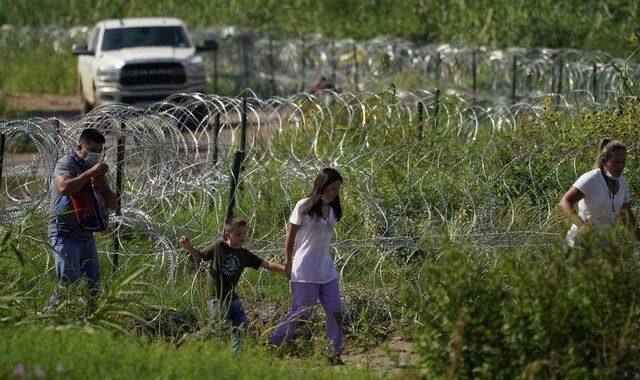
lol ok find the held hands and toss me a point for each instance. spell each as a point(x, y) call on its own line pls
point(287, 269)
point(584, 229)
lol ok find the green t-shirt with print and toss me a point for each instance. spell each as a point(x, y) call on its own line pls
point(227, 264)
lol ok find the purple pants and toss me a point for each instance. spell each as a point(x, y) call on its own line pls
point(304, 297)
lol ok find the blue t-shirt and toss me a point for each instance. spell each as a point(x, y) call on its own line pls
point(66, 224)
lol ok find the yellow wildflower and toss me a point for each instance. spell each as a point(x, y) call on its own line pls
point(547, 100)
point(588, 117)
point(633, 38)
point(626, 120)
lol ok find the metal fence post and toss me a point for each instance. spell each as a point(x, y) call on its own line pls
point(355, 65)
point(474, 74)
point(245, 59)
point(303, 64)
point(216, 132)
point(514, 78)
point(420, 119)
point(215, 71)
point(594, 81)
point(560, 67)
point(272, 68)
point(436, 104)
point(119, 177)
point(238, 158)
point(2, 141)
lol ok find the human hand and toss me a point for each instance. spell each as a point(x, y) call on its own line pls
point(99, 169)
point(185, 242)
point(99, 181)
point(584, 229)
point(287, 270)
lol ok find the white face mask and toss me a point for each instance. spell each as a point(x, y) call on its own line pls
point(611, 176)
point(92, 159)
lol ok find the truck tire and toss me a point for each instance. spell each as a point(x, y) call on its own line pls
point(86, 107)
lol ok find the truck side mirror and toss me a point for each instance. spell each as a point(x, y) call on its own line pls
point(81, 49)
point(209, 45)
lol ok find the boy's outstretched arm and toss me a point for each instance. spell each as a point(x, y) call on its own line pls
point(186, 244)
point(272, 267)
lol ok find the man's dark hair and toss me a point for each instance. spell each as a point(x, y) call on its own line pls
point(91, 135)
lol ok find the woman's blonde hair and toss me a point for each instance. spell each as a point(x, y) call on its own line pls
point(606, 148)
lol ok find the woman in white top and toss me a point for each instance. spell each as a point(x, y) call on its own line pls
point(311, 270)
point(602, 195)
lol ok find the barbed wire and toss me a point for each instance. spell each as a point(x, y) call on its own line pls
point(282, 64)
point(416, 177)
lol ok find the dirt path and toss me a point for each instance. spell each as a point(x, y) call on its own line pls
point(44, 105)
point(395, 355)
point(43, 102)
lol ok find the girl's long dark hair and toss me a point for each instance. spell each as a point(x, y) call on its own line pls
point(606, 148)
point(326, 177)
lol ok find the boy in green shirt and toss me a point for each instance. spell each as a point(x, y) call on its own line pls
point(228, 260)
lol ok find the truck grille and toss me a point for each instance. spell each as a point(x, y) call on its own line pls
point(163, 73)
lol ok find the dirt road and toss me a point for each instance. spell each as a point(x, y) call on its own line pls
point(45, 105)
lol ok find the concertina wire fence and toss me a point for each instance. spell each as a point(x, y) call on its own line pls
point(279, 63)
point(179, 153)
point(178, 158)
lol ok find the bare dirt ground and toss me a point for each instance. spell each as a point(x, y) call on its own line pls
point(44, 105)
point(393, 356)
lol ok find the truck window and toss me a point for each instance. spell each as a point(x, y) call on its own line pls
point(122, 38)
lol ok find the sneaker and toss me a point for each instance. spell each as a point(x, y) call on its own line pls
point(335, 360)
point(47, 310)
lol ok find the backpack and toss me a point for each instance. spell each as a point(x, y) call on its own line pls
point(89, 207)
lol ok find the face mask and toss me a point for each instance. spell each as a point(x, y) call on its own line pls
point(325, 199)
point(92, 159)
point(611, 176)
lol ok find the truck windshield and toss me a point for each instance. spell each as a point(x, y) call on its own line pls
point(122, 38)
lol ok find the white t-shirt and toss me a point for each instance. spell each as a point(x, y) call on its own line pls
point(312, 261)
point(599, 207)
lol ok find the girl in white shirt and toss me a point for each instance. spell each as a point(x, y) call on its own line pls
point(311, 270)
point(602, 195)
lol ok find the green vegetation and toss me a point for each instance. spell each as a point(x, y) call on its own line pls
point(29, 352)
point(473, 309)
point(585, 25)
point(40, 65)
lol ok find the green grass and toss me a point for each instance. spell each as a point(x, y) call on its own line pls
point(78, 354)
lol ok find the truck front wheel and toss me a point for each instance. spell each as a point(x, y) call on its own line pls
point(86, 107)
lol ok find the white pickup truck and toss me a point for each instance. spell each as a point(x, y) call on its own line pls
point(138, 61)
